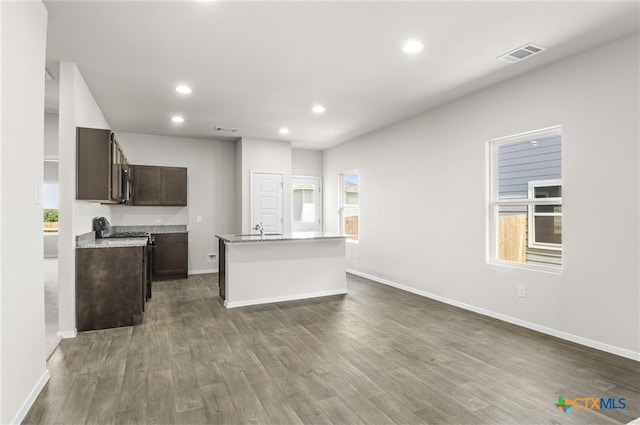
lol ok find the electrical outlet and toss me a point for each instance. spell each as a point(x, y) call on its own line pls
point(158, 220)
point(357, 255)
point(199, 219)
point(212, 258)
point(522, 291)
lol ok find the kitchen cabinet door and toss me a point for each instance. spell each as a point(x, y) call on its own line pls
point(97, 174)
point(146, 185)
point(159, 186)
point(170, 256)
point(173, 189)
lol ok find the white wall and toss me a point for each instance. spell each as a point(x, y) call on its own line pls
point(261, 155)
point(211, 190)
point(77, 109)
point(50, 172)
point(22, 341)
point(306, 162)
point(436, 161)
point(237, 225)
point(50, 136)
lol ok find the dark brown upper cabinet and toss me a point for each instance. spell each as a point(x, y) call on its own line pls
point(159, 186)
point(100, 163)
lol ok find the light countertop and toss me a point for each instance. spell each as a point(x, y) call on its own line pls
point(113, 243)
point(272, 237)
point(154, 229)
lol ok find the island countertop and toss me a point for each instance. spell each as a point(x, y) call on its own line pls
point(113, 243)
point(273, 237)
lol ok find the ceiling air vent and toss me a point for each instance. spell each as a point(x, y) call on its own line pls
point(224, 130)
point(521, 53)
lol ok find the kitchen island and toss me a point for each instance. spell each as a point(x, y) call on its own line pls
point(111, 282)
point(255, 269)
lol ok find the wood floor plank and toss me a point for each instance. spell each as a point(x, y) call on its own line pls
point(102, 411)
point(375, 356)
point(244, 400)
point(131, 417)
point(133, 395)
point(275, 404)
point(160, 389)
point(218, 405)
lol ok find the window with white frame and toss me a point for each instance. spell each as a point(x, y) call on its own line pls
point(350, 204)
point(525, 211)
point(545, 221)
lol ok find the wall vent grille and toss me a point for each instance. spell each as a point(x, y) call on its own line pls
point(521, 53)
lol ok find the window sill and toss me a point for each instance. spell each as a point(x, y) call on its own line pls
point(552, 269)
point(354, 241)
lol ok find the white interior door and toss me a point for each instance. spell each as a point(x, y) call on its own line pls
point(306, 204)
point(267, 201)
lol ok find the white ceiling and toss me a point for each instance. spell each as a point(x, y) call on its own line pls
point(260, 66)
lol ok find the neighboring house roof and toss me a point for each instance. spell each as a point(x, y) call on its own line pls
point(351, 187)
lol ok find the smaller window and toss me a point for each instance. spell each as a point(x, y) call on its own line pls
point(50, 204)
point(350, 204)
point(545, 221)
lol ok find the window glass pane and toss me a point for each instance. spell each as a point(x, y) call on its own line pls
point(548, 209)
point(525, 161)
point(304, 208)
point(548, 229)
point(351, 188)
point(50, 204)
point(351, 221)
point(547, 192)
point(350, 207)
point(512, 234)
point(513, 242)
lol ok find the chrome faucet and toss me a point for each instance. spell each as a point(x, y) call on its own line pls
point(260, 227)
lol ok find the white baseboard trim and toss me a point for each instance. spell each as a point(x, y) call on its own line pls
point(285, 298)
point(33, 394)
point(204, 271)
point(623, 352)
point(68, 334)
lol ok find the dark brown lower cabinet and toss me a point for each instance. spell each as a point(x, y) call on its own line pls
point(170, 256)
point(110, 287)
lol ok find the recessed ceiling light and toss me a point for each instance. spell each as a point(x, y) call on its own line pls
point(284, 131)
point(183, 89)
point(412, 46)
point(177, 119)
point(318, 109)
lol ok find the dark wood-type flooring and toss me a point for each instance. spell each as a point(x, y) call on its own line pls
point(375, 356)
